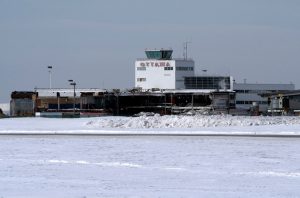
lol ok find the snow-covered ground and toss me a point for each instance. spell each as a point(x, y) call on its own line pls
point(149, 166)
point(114, 166)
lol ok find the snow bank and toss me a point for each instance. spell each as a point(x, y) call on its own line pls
point(5, 108)
point(197, 121)
point(155, 125)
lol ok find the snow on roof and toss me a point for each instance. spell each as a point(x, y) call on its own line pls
point(66, 92)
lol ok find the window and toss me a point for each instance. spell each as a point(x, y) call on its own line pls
point(168, 68)
point(184, 68)
point(207, 82)
point(141, 79)
point(141, 68)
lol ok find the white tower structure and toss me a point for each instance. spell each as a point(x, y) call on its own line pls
point(160, 70)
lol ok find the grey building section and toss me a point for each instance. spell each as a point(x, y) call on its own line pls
point(283, 102)
point(249, 94)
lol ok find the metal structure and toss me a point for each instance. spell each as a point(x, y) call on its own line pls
point(185, 50)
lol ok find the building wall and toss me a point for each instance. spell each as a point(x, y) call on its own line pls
point(246, 94)
point(183, 68)
point(162, 74)
point(154, 74)
point(294, 102)
point(21, 107)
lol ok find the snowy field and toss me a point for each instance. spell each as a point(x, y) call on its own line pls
point(102, 166)
point(44, 165)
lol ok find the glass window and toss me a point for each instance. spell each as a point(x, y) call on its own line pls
point(141, 79)
point(184, 68)
point(207, 82)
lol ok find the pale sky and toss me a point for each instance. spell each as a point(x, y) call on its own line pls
point(96, 42)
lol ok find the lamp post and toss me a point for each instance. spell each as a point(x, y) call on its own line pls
point(50, 76)
point(73, 83)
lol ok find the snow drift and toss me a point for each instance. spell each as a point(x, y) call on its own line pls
point(197, 121)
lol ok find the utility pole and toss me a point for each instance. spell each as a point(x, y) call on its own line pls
point(50, 76)
point(73, 83)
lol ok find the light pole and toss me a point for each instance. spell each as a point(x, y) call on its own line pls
point(50, 76)
point(73, 83)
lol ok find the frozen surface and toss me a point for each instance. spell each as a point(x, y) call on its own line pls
point(149, 166)
point(97, 166)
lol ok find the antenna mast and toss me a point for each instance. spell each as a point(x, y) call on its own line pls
point(185, 50)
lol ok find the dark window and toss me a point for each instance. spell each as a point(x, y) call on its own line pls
point(207, 82)
point(168, 68)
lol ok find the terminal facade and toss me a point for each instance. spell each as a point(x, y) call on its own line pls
point(160, 71)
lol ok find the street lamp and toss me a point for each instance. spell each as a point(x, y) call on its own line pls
point(50, 76)
point(73, 83)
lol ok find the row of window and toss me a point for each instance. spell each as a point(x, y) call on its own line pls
point(256, 91)
point(184, 69)
point(207, 82)
point(169, 68)
point(251, 102)
point(141, 79)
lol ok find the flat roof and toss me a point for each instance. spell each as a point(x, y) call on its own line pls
point(66, 91)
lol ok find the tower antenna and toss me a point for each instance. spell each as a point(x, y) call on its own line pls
point(185, 50)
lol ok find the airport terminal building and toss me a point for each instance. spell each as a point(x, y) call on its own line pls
point(163, 85)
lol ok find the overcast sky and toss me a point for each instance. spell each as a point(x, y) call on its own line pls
point(96, 42)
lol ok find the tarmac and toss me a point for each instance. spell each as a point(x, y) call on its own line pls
point(149, 133)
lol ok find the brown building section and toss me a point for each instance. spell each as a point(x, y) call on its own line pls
point(115, 102)
point(22, 103)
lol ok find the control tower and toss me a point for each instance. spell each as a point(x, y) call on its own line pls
point(159, 54)
point(160, 70)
